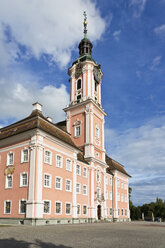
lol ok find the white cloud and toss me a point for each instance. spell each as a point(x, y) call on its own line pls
point(160, 30)
point(116, 34)
point(49, 27)
point(138, 7)
point(141, 150)
point(17, 97)
point(155, 63)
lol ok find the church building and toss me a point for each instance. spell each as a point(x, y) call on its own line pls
point(60, 173)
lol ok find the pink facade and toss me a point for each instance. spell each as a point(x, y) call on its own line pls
point(60, 173)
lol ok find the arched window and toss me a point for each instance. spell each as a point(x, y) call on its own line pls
point(79, 84)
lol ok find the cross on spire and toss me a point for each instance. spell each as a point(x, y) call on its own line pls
point(85, 24)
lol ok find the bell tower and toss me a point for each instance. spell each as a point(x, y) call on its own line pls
point(84, 114)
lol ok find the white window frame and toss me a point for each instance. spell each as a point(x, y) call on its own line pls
point(110, 181)
point(86, 209)
point(118, 197)
point(70, 208)
point(110, 196)
point(111, 211)
point(79, 188)
point(60, 183)
point(77, 209)
point(126, 212)
point(6, 182)
point(106, 180)
point(45, 157)
point(118, 183)
point(126, 198)
point(121, 185)
point(5, 206)
point(85, 171)
point(21, 179)
point(122, 198)
point(77, 134)
point(20, 206)
point(60, 209)
point(125, 186)
point(106, 195)
point(61, 165)
point(122, 212)
point(84, 185)
point(118, 211)
point(70, 185)
point(8, 160)
point(97, 132)
point(49, 206)
point(70, 164)
point(22, 155)
point(79, 173)
point(50, 180)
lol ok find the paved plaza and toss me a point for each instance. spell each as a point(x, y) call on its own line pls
point(116, 235)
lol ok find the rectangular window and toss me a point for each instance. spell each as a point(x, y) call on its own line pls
point(84, 209)
point(111, 181)
point(122, 212)
point(78, 209)
point(47, 181)
point(77, 131)
point(58, 183)
point(106, 180)
point(84, 190)
point(121, 197)
point(84, 172)
point(125, 212)
point(110, 211)
point(122, 185)
point(68, 185)
point(7, 207)
point(118, 183)
point(68, 208)
point(110, 196)
point(59, 161)
point(125, 198)
point(24, 155)
point(98, 192)
point(22, 207)
point(118, 211)
point(78, 188)
point(58, 208)
point(125, 186)
point(10, 158)
point(78, 169)
point(23, 179)
point(106, 195)
point(68, 165)
point(46, 207)
point(48, 157)
point(9, 181)
point(97, 133)
point(118, 196)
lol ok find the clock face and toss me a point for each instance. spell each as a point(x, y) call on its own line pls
point(97, 74)
point(78, 70)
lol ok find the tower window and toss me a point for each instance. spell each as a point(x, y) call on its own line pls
point(77, 131)
point(95, 86)
point(78, 98)
point(86, 49)
point(79, 84)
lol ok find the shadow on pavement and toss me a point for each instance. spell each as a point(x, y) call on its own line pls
point(13, 243)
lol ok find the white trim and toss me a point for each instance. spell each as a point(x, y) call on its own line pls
point(70, 185)
point(70, 164)
point(6, 182)
point(5, 206)
point(80, 208)
point(21, 179)
point(78, 187)
point(84, 185)
point(22, 155)
point(84, 205)
point(70, 208)
point(19, 212)
point(60, 183)
point(61, 207)
point(7, 160)
point(61, 161)
point(79, 174)
point(84, 167)
point(50, 180)
point(45, 161)
point(49, 206)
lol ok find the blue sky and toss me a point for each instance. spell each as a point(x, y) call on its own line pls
point(39, 41)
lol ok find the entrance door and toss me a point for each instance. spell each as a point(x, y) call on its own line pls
point(99, 212)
